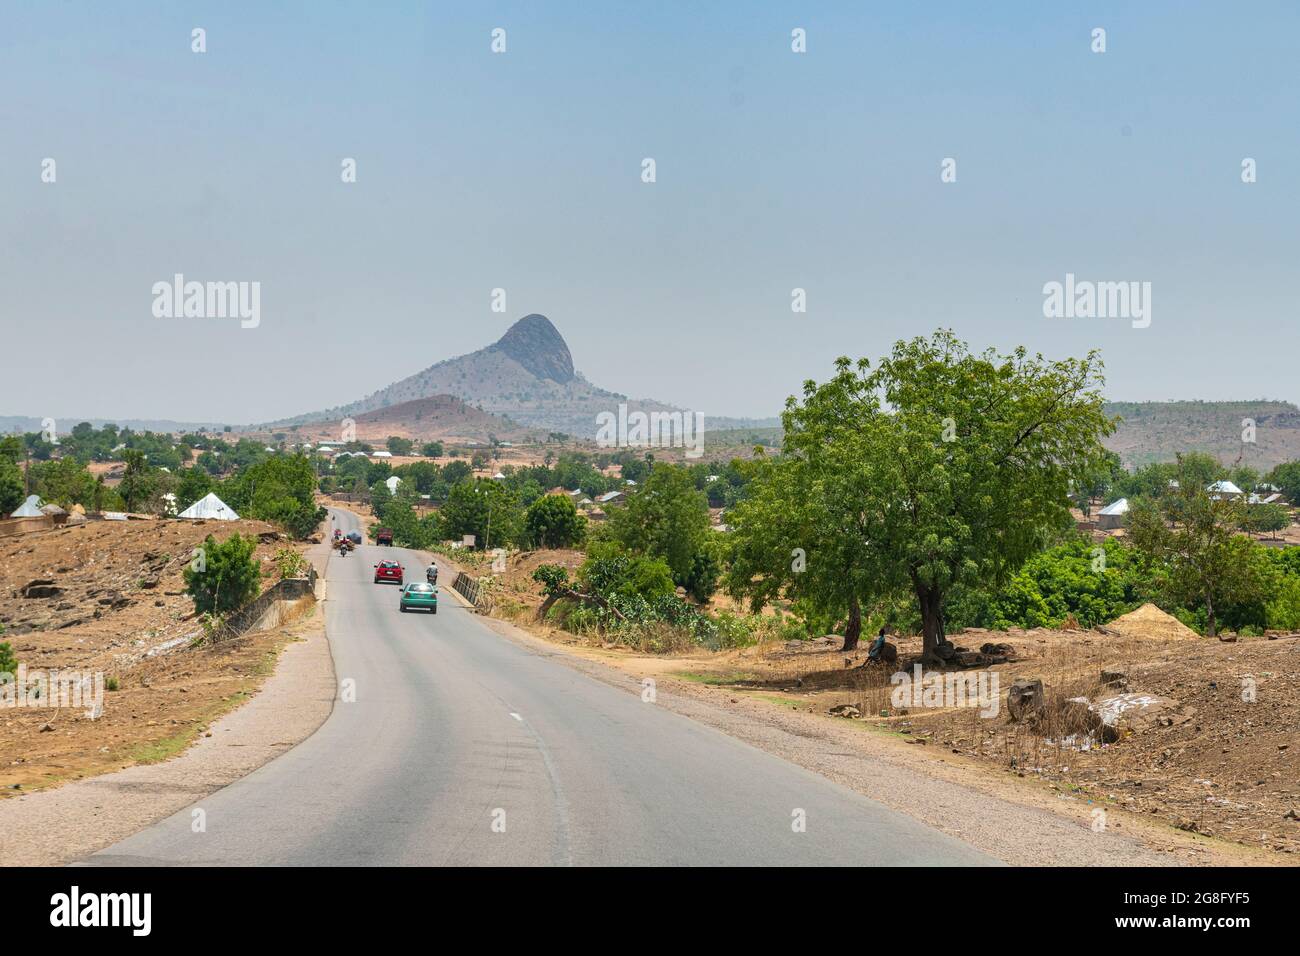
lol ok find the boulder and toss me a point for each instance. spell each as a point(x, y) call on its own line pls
point(1132, 713)
point(1076, 716)
point(40, 588)
point(1025, 699)
point(1116, 679)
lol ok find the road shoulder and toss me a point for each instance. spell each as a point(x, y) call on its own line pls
point(1014, 820)
point(59, 826)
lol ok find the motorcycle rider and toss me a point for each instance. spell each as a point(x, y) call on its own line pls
point(431, 575)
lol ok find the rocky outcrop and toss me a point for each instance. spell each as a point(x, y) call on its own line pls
point(535, 344)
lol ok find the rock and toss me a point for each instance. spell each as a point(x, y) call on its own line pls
point(1291, 814)
point(945, 650)
point(1132, 713)
point(1077, 716)
point(47, 728)
point(845, 710)
point(1117, 679)
point(1025, 699)
point(535, 344)
point(40, 588)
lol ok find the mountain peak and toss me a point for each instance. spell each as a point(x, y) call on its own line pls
point(535, 344)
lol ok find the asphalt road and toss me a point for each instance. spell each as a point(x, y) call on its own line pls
point(464, 748)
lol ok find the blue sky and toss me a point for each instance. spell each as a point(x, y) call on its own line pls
point(522, 171)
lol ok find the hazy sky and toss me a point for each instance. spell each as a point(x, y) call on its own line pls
point(522, 170)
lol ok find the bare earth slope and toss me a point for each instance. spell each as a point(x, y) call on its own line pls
point(1156, 431)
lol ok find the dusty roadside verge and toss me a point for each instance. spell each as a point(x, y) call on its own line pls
point(111, 667)
point(268, 710)
point(58, 826)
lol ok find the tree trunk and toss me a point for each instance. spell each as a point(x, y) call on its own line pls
point(546, 605)
point(595, 599)
point(931, 601)
point(853, 630)
point(1211, 626)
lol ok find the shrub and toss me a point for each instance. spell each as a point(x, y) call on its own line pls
point(290, 563)
point(227, 575)
point(1283, 611)
point(734, 630)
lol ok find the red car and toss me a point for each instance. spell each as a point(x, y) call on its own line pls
point(388, 571)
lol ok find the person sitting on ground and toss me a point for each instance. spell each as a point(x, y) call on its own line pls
point(873, 652)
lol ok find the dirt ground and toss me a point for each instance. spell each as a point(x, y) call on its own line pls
point(114, 606)
point(1215, 760)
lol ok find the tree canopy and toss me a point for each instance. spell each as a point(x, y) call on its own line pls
point(935, 469)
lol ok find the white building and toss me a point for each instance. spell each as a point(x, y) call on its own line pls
point(210, 508)
point(1112, 516)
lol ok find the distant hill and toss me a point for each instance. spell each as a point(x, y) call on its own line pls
point(1156, 431)
point(422, 419)
point(27, 423)
point(527, 375)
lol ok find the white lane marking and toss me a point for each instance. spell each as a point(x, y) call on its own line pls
point(516, 717)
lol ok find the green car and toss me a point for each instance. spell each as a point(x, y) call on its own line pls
point(419, 595)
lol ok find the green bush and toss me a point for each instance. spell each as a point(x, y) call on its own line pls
point(1283, 610)
point(735, 630)
point(226, 576)
point(1093, 583)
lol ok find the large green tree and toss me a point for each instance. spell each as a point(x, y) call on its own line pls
point(935, 469)
point(139, 481)
point(667, 517)
point(279, 489)
point(552, 521)
point(64, 481)
point(485, 509)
